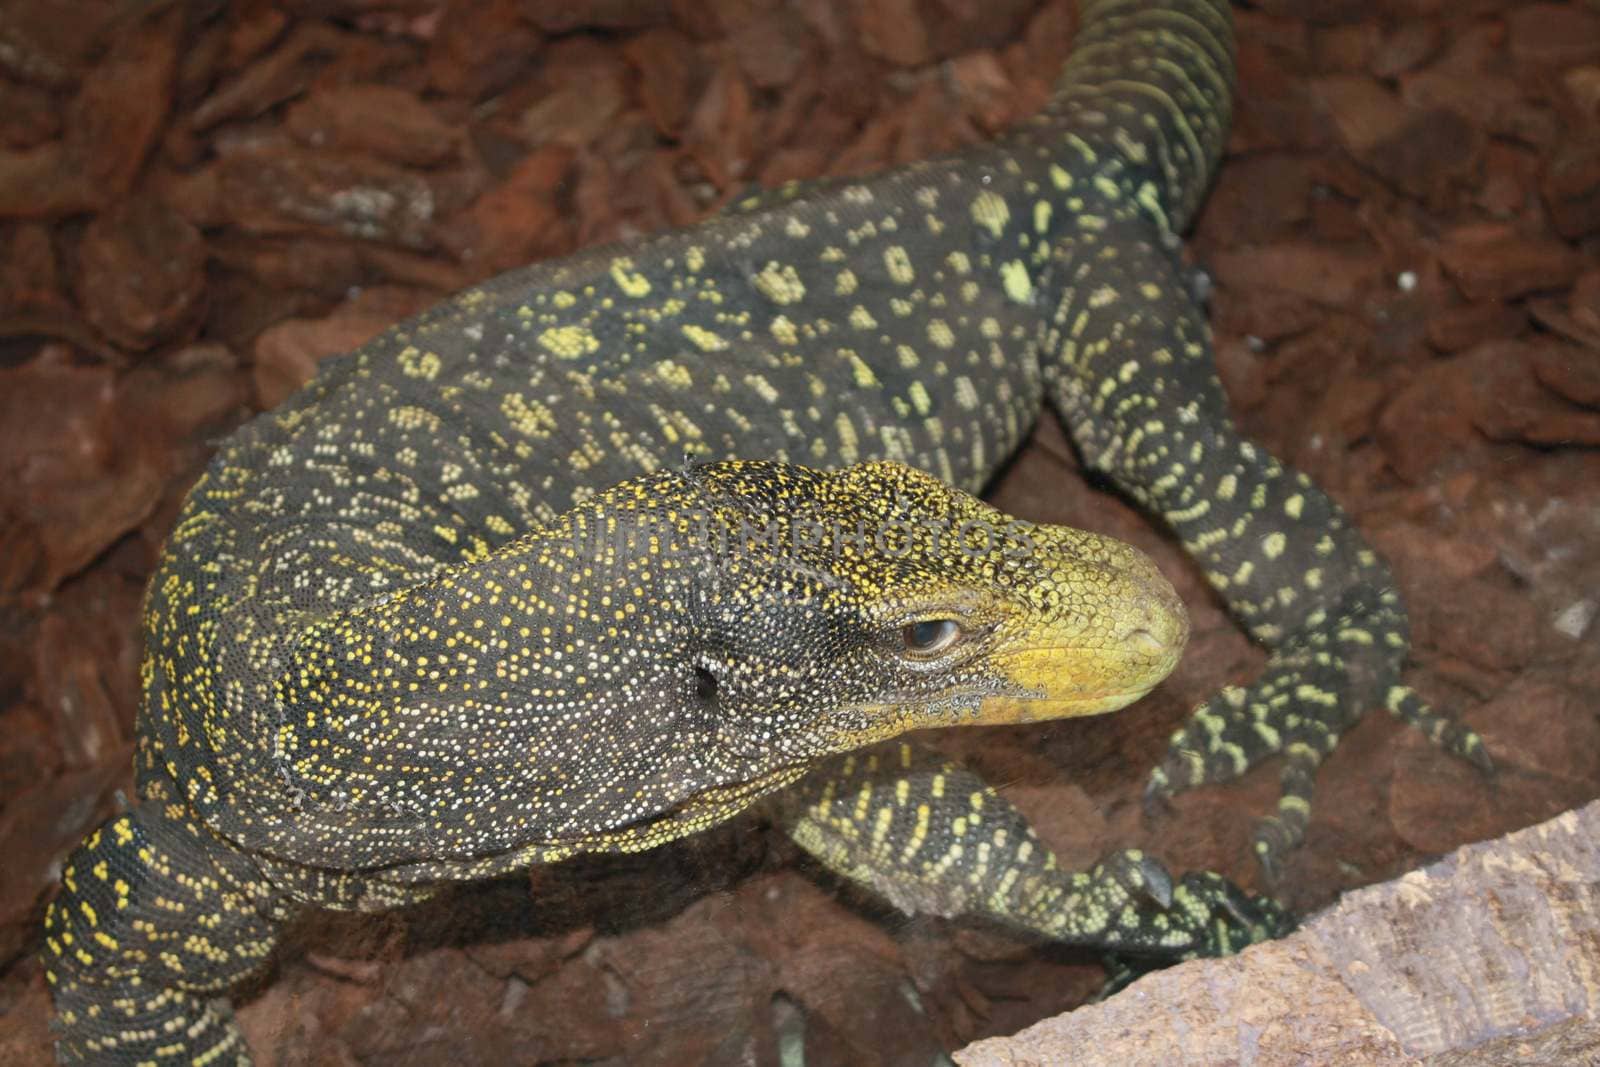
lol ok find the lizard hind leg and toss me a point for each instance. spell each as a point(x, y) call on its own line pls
point(154, 921)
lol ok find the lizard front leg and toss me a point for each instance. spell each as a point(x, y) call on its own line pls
point(156, 919)
point(933, 838)
point(1129, 366)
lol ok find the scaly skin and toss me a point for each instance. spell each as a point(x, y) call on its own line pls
point(407, 632)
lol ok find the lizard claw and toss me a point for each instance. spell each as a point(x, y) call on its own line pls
point(1156, 882)
point(1201, 914)
point(1156, 801)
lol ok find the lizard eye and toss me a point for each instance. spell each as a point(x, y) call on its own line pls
point(930, 637)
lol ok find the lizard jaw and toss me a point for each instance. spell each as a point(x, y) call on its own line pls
point(1055, 682)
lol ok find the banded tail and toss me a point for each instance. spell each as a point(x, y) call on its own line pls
point(1157, 79)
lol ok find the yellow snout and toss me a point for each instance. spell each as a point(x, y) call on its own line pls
point(1088, 673)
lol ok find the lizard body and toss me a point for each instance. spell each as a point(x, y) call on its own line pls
point(421, 623)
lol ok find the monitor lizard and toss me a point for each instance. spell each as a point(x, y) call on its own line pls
point(461, 605)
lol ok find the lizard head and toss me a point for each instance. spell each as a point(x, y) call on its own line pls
point(679, 643)
point(845, 607)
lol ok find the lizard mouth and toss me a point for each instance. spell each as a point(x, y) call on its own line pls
point(1011, 709)
point(1056, 683)
point(1036, 685)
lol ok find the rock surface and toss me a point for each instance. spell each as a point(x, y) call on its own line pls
point(1484, 958)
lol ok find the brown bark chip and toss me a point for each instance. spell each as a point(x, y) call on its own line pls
point(480, 47)
point(140, 272)
point(70, 484)
point(385, 121)
point(1496, 263)
point(1555, 35)
point(280, 189)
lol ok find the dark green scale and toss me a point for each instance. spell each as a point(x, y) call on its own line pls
point(406, 633)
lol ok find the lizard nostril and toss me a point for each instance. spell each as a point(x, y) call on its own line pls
point(1160, 628)
point(1146, 641)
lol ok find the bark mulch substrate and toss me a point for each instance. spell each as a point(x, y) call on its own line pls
point(199, 200)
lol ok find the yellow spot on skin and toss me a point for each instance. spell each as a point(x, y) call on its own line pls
point(780, 284)
point(1272, 545)
point(862, 319)
point(694, 258)
point(849, 444)
point(920, 399)
point(898, 263)
point(1294, 506)
point(418, 364)
point(940, 334)
point(881, 825)
point(529, 418)
point(1041, 217)
point(966, 394)
point(674, 375)
point(1018, 285)
point(1150, 200)
point(845, 283)
point(990, 212)
point(783, 331)
point(762, 387)
point(569, 342)
point(919, 833)
point(864, 378)
point(1227, 486)
point(1060, 177)
point(411, 417)
point(629, 281)
point(959, 262)
point(704, 339)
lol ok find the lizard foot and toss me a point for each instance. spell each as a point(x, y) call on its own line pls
point(1316, 685)
point(1139, 910)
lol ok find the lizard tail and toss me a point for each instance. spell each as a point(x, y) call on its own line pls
point(1156, 81)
